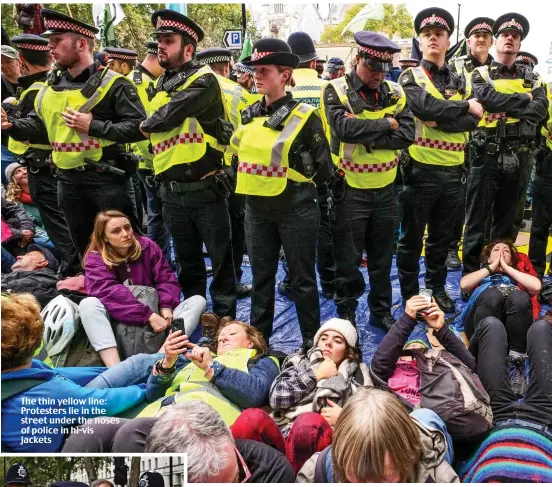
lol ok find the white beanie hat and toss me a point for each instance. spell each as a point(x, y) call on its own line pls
point(11, 169)
point(344, 327)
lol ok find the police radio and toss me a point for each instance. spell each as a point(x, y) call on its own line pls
point(93, 83)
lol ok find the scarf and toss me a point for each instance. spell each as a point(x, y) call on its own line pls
point(25, 197)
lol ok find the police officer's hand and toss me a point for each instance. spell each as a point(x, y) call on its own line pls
point(158, 323)
point(145, 134)
point(430, 124)
point(539, 92)
point(77, 120)
point(393, 124)
point(476, 108)
point(6, 124)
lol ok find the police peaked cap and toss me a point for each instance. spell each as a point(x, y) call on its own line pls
point(434, 17)
point(409, 62)
point(120, 53)
point(242, 68)
point(272, 51)
point(168, 21)
point(214, 55)
point(17, 474)
point(30, 42)
point(526, 58)
point(511, 21)
point(301, 45)
point(335, 64)
point(153, 47)
point(151, 479)
point(378, 49)
point(479, 24)
point(58, 23)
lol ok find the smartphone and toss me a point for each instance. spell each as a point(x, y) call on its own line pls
point(426, 293)
point(178, 324)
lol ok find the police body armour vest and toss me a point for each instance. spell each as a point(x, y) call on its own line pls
point(143, 82)
point(546, 130)
point(507, 86)
point(308, 86)
point(363, 169)
point(186, 143)
point(263, 153)
point(69, 147)
point(190, 383)
point(431, 145)
point(19, 147)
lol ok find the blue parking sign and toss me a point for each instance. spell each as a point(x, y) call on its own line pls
point(233, 39)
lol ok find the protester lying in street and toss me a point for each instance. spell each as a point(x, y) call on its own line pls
point(422, 377)
point(506, 288)
point(308, 395)
point(117, 263)
point(518, 448)
point(38, 402)
point(18, 231)
point(376, 440)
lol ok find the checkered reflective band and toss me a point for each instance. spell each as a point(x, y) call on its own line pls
point(383, 55)
point(67, 26)
point(76, 146)
point(186, 138)
point(510, 24)
point(335, 66)
point(215, 59)
point(260, 170)
point(526, 58)
point(434, 20)
point(32, 47)
point(439, 144)
point(121, 56)
point(412, 64)
point(259, 55)
point(354, 167)
point(152, 51)
point(163, 23)
point(481, 26)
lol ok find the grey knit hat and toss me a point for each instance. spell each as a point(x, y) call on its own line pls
point(11, 169)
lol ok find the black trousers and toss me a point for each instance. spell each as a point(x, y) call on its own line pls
point(43, 189)
point(289, 220)
point(490, 347)
point(364, 219)
point(236, 207)
point(490, 194)
point(432, 196)
point(458, 229)
point(515, 311)
point(83, 194)
point(139, 199)
point(525, 177)
point(542, 212)
point(194, 218)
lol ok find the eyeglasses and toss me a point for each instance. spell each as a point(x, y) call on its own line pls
point(247, 473)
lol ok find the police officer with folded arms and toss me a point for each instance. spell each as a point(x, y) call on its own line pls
point(282, 151)
point(515, 103)
point(433, 166)
point(369, 124)
point(188, 133)
point(36, 62)
point(87, 113)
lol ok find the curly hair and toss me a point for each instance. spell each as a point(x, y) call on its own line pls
point(22, 329)
point(486, 253)
point(13, 192)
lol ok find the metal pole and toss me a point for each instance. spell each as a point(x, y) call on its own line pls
point(458, 23)
point(170, 472)
point(244, 20)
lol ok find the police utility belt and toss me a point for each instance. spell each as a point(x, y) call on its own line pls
point(36, 159)
point(513, 138)
point(219, 182)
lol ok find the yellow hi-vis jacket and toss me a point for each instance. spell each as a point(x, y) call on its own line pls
point(308, 86)
point(546, 130)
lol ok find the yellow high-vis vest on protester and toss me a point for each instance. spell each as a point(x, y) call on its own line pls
point(69, 147)
point(363, 169)
point(263, 153)
point(19, 147)
point(190, 383)
point(546, 130)
point(431, 145)
point(308, 86)
point(507, 86)
point(142, 82)
point(184, 144)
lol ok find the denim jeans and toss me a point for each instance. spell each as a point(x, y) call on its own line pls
point(431, 420)
point(133, 370)
point(7, 158)
point(7, 261)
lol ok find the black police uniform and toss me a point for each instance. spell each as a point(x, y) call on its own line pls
point(85, 191)
point(496, 180)
point(196, 216)
point(17, 474)
point(366, 219)
point(42, 182)
point(432, 193)
point(468, 63)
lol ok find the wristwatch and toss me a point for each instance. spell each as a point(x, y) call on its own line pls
point(164, 370)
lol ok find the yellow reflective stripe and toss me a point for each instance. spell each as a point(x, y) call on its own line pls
point(38, 101)
point(278, 148)
point(95, 98)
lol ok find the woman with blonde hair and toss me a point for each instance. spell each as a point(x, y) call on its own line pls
point(376, 440)
point(120, 268)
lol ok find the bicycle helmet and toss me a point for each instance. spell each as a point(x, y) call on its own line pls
point(61, 321)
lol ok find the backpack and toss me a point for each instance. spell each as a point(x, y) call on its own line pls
point(323, 473)
point(449, 388)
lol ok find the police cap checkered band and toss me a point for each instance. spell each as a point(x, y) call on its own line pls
point(434, 20)
point(527, 58)
point(121, 56)
point(175, 24)
point(511, 24)
point(481, 26)
point(241, 68)
point(380, 55)
point(259, 55)
point(409, 63)
point(31, 47)
point(65, 25)
point(152, 50)
point(215, 59)
point(335, 65)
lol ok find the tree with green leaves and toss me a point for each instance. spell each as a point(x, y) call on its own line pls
point(396, 20)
